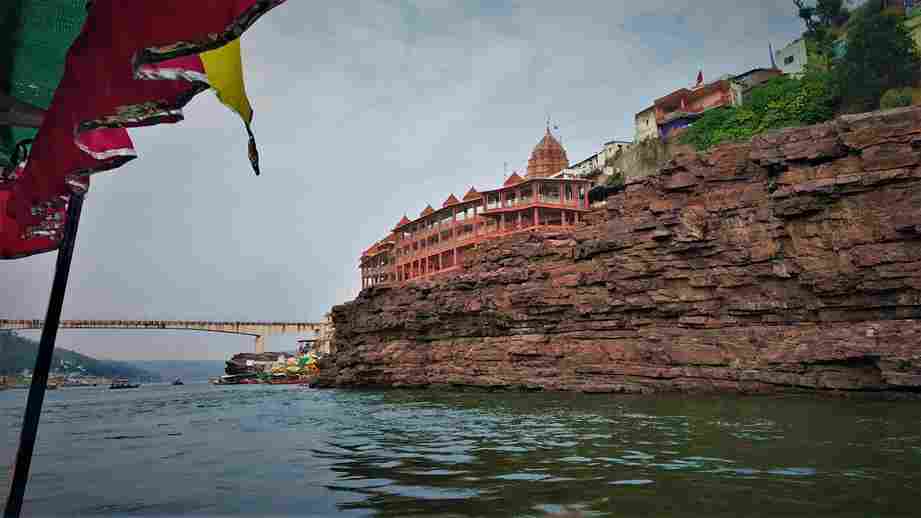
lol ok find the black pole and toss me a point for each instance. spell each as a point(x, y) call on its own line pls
point(43, 361)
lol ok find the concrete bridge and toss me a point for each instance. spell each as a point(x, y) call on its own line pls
point(323, 330)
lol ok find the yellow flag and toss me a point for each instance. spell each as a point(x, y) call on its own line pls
point(224, 68)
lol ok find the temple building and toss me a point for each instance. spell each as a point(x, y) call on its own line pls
point(436, 242)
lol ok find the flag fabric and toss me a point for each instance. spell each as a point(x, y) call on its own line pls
point(34, 38)
point(14, 243)
point(133, 64)
point(224, 70)
point(771, 50)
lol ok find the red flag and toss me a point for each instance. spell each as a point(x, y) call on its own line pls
point(700, 78)
point(134, 64)
point(16, 241)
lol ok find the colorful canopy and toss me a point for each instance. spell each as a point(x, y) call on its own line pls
point(133, 64)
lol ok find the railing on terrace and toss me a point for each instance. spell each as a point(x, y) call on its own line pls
point(437, 250)
point(417, 275)
point(378, 270)
point(481, 230)
point(543, 202)
point(493, 232)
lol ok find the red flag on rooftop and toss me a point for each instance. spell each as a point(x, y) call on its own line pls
point(133, 64)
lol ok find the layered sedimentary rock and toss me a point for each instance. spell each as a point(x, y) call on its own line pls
point(788, 263)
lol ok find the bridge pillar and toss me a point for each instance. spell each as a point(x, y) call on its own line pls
point(260, 344)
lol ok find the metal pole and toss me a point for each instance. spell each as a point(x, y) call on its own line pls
point(43, 361)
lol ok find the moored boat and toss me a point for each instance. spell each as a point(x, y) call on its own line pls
point(123, 383)
point(177, 382)
point(234, 379)
point(284, 380)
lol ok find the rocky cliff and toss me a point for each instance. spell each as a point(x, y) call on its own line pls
point(792, 262)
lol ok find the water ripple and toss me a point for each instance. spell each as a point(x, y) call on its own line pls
point(278, 450)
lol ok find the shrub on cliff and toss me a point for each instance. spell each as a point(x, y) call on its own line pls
point(615, 181)
point(896, 98)
point(779, 103)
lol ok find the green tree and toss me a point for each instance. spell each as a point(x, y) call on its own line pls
point(807, 14)
point(821, 20)
point(831, 12)
point(881, 55)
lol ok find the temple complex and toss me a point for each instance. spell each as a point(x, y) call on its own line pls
point(436, 242)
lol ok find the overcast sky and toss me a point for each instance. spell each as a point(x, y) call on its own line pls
point(364, 111)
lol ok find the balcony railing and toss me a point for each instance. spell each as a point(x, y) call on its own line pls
point(543, 201)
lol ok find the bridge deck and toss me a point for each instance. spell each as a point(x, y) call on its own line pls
point(257, 329)
point(233, 327)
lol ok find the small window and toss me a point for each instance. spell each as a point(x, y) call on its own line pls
point(789, 59)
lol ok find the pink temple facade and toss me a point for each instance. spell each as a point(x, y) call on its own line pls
point(436, 243)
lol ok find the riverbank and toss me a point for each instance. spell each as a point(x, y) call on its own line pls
point(790, 263)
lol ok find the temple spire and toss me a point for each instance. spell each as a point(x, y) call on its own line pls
point(548, 157)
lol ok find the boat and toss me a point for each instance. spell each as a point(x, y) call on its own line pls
point(234, 379)
point(285, 381)
point(178, 381)
point(123, 383)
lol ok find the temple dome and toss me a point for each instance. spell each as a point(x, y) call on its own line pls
point(426, 211)
point(548, 157)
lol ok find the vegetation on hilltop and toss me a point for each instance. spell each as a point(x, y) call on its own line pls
point(18, 353)
point(781, 102)
point(878, 67)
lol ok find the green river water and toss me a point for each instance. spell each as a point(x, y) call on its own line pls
point(283, 451)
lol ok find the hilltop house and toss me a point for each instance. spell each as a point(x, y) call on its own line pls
point(679, 109)
point(793, 58)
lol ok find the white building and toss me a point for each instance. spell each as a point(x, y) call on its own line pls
point(646, 126)
point(793, 58)
point(595, 164)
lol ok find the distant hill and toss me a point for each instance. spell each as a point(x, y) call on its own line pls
point(186, 370)
point(18, 353)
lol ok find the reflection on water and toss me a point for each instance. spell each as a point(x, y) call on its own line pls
point(249, 450)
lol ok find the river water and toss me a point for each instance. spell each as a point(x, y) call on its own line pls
point(286, 450)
